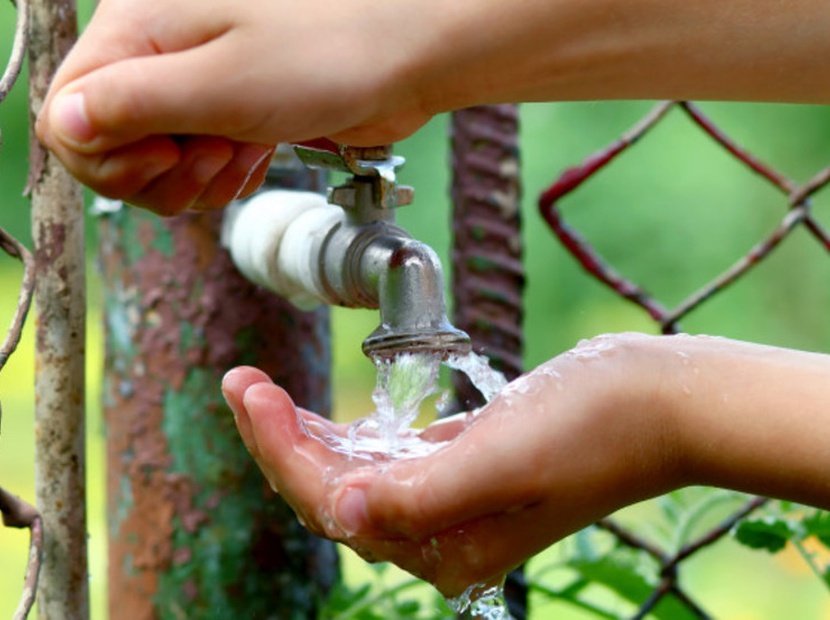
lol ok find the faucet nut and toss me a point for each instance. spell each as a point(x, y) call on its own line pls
point(344, 196)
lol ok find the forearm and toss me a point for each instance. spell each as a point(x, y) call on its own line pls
point(538, 50)
point(751, 418)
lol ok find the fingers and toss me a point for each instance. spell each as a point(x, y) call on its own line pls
point(124, 101)
point(201, 161)
point(124, 173)
point(211, 173)
point(239, 178)
point(467, 513)
point(123, 58)
point(453, 485)
point(116, 133)
point(169, 175)
point(234, 385)
point(300, 467)
point(474, 552)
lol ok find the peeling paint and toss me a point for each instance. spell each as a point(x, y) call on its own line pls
point(205, 536)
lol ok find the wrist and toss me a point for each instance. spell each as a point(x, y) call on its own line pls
point(648, 407)
point(616, 419)
point(756, 420)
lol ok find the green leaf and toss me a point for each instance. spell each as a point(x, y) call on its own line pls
point(818, 525)
point(343, 598)
point(621, 578)
point(768, 533)
point(408, 608)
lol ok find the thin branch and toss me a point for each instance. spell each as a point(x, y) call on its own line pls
point(717, 533)
point(20, 514)
point(15, 249)
point(21, 42)
point(630, 539)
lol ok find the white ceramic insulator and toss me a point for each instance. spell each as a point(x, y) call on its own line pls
point(273, 238)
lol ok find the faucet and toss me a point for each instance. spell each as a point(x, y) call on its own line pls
point(346, 249)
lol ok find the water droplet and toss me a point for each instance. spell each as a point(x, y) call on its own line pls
point(480, 601)
point(595, 348)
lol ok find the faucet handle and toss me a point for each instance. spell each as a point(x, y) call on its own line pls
point(362, 161)
point(374, 163)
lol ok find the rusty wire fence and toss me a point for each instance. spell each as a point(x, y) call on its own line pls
point(797, 201)
point(16, 512)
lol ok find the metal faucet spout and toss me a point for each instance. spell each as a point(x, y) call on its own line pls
point(413, 311)
point(311, 252)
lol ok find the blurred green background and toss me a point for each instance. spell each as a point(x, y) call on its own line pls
point(671, 214)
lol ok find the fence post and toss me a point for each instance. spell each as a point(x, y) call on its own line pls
point(194, 529)
point(58, 233)
point(488, 275)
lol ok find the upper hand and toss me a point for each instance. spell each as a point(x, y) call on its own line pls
point(175, 106)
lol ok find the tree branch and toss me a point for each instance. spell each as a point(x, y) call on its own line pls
point(20, 514)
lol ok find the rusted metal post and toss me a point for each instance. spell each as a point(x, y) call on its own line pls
point(194, 529)
point(488, 275)
point(58, 233)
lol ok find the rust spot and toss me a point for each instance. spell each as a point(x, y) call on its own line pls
point(193, 311)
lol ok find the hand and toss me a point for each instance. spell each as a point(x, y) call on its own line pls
point(561, 447)
point(176, 106)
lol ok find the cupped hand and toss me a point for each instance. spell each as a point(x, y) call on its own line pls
point(561, 447)
point(176, 106)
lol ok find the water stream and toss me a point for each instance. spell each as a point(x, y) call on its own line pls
point(402, 386)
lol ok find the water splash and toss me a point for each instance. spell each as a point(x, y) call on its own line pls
point(403, 384)
point(481, 602)
point(485, 379)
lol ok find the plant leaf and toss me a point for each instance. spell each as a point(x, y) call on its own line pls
point(768, 533)
point(622, 579)
point(818, 525)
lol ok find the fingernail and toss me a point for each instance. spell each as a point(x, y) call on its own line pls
point(70, 119)
point(229, 385)
point(351, 513)
point(248, 159)
point(252, 155)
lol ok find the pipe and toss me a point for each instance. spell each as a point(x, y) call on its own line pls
point(311, 252)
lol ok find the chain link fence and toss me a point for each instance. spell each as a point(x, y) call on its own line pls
point(797, 201)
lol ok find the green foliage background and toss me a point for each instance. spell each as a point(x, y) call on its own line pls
point(671, 214)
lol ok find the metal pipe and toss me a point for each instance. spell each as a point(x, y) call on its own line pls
point(58, 233)
point(195, 531)
point(487, 257)
point(311, 252)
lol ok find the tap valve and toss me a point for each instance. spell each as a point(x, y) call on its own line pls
point(347, 250)
point(373, 167)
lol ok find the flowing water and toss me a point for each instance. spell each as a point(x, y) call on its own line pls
point(403, 385)
point(481, 602)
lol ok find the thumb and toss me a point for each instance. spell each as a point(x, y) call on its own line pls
point(125, 101)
